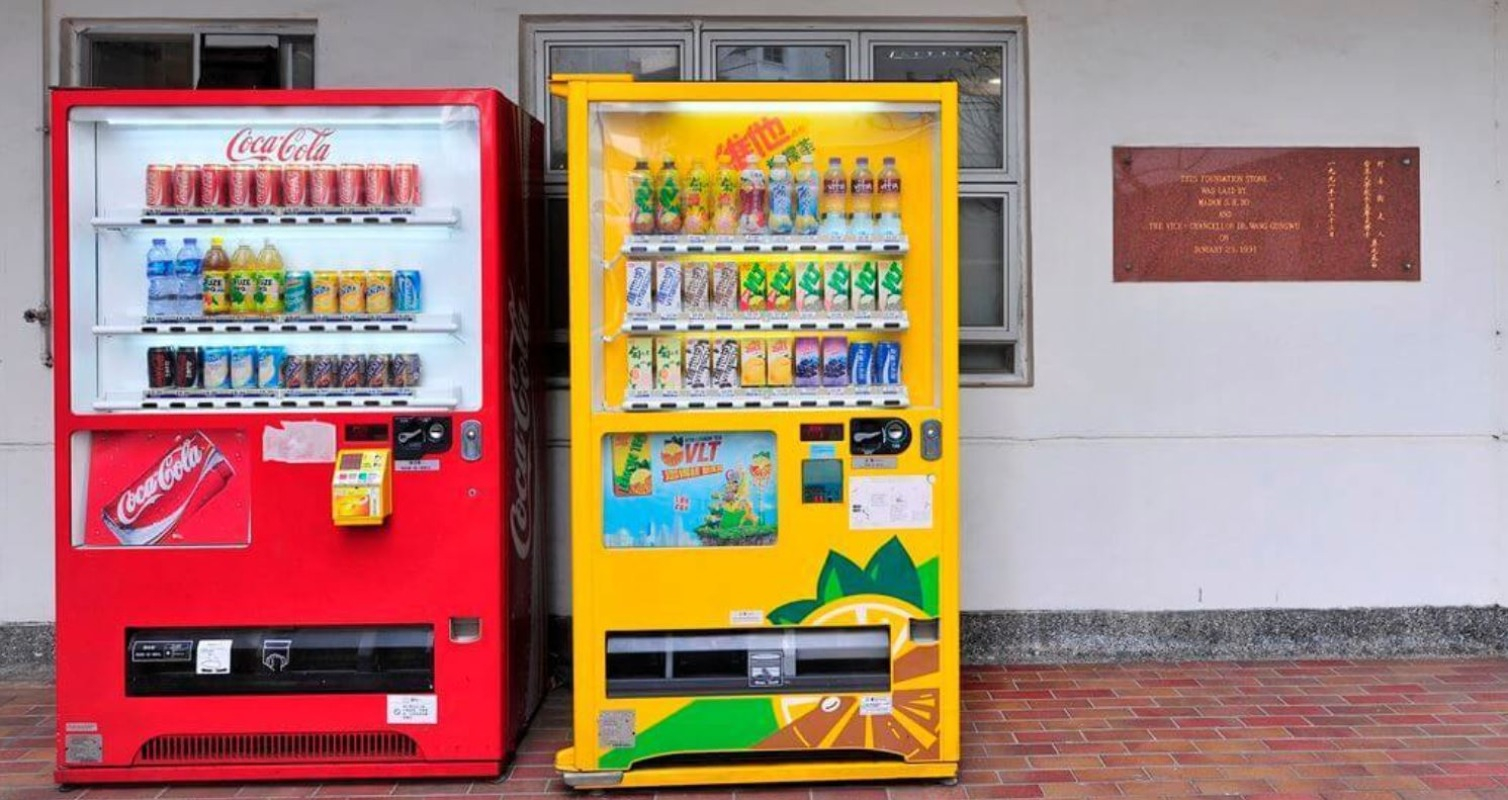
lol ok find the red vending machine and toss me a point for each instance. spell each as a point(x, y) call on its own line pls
point(296, 434)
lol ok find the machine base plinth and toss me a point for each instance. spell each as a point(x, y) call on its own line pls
point(242, 773)
point(748, 774)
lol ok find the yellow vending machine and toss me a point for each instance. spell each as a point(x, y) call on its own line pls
point(764, 427)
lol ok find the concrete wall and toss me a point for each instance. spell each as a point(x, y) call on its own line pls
point(1184, 446)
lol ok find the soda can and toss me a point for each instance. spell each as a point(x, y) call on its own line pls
point(668, 288)
point(186, 185)
point(751, 362)
point(268, 298)
point(243, 289)
point(809, 287)
point(295, 186)
point(160, 368)
point(861, 363)
point(214, 367)
point(808, 357)
point(697, 376)
point(243, 368)
point(353, 291)
point(406, 185)
point(212, 179)
point(322, 372)
point(324, 292)
point(725, 373)
point(378, 373)
point(322, 189)
point(640, 283)
point(239, 191)
point(296, 293)
point(892, 282)
point(778, 361)
point(408, 291)
point(186, 367)
point(641, 364)
point(350, 371)
point(377, 185)
point(380, 291)
point(725, 288)
point(668, 376)
point(696, 279)
point(866, 286)
point(782, 295)
point(267, 186)
point(753, 286)
point(294, 371)
point(348, 180)
point(887, 363)
point(270, 367)
point(835, 361)
point(159, 186)
point(407, 370)
point(216, 285)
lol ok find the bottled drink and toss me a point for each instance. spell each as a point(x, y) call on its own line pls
point(835, 199)
point(888, 199)
point(753, 186)
point(725, 197)
point(162, 285)
point(782, 216)
point(808, 189)
point(668, 197)
point(215, 281)
point(861, 199)
point(243, 258)
point(641, 194)
point(242, 280)
point(694, 199)
point(269, 259)
point(187, 270)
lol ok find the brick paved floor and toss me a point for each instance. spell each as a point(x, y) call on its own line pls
point(1335, 730)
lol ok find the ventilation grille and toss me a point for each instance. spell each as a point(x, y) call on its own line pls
point(277, 747)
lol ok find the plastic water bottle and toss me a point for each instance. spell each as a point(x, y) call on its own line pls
point(834, 200)
point(188, 300)
point(808, 192)
point(888, 199)
point(782, 204)
point(162, 286)
point(861, 200)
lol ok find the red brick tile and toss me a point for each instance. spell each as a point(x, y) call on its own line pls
point(1460, 782)
point(1012, 790)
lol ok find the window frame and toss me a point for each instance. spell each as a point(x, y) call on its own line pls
point(78, 33)
point(713, 37)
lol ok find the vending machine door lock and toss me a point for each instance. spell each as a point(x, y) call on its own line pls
point(417, 437)
point(869, 436)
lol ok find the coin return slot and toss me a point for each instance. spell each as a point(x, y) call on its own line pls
point(720, 662)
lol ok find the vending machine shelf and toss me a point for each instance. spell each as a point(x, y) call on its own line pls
point(285, 323)
point(880, 321)
point(732, 245)
point(867, 397)
point(136, 218)
point(269, 399)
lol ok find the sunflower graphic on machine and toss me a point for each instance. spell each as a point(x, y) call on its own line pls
point(689, 489)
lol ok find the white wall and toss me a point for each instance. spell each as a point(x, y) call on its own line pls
point(1184, 446)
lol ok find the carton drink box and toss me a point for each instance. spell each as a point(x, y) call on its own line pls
point(835, 361)
point(778, 362)
point(668, 364)
point(641, 364)
point(892, 282)
point(751, 362)
point(696, 281)
point(725, 288)
point(698, 373)
point(866, 280)
point(725, 364)
point(835, 288)
point(668, 288)
point(753, 286)
point(809, 287)
point(639, 288)
point(782, 281)
point(808, 361)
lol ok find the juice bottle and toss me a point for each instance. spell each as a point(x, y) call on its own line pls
point(834, 199)
point(641, 194)
point(861, 199)
point(753, 187)
point(808, 189)
point(888, 199)
point(782, 216)
point(725, 197)
point(243, 280)
point(694, 199)
point(668, 197)
point(215, 270)
point(269, 259)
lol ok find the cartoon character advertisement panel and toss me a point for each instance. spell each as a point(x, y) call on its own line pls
point(689, 489)
point(185, 488)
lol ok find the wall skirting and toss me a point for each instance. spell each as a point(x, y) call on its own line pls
point(1010, 637)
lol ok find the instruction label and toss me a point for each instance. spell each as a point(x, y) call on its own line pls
point(891, 502)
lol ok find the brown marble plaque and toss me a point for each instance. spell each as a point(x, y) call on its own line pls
point(1266, 213)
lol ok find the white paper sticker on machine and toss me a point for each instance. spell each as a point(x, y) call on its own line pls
point(413, 709)
point(890, 502)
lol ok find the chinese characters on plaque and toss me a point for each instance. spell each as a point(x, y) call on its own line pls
point(1266, 214)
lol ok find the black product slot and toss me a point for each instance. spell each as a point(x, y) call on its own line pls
point(734, 661)
point(711, 664)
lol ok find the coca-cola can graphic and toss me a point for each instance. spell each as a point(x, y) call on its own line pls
point(377, 185)
point(348, 185)
point(239, 192)
point(186, 185)
point(159, 186)
point(295, 185)
point(188, 475)
point(212, 185)
point(322, 180)
point(406, 185)
point(267, 186)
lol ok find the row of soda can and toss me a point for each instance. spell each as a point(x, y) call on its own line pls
point(269, 367)
point(321, 292)
point(674, 289)
point(671, 364)
point(314, 186)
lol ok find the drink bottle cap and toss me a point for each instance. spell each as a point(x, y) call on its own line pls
point(889, 161)
point(190, 240)
point(668, 160)
point(215, 240)
point(807, 159)
point(835, 161)
point(862, 161)
point(781, 160)
point(159, 241)
point(642, 163)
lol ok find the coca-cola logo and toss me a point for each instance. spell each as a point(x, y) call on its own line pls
point(304, 143)
point(178, 464)
point(521, 528)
